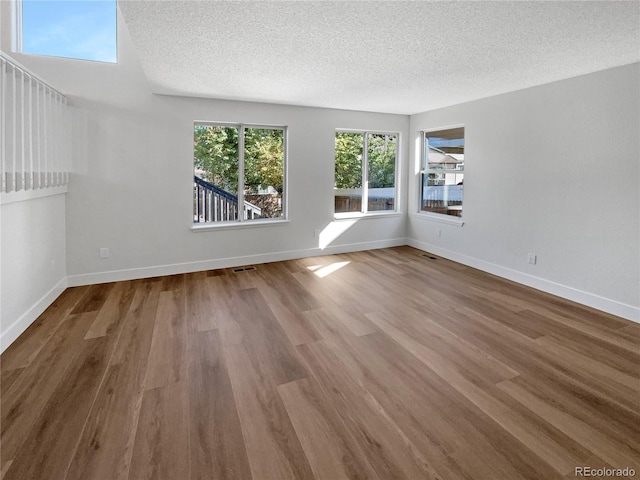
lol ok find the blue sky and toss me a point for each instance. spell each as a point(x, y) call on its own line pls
point(83, 29)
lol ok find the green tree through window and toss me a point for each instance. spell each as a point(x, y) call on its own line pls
point(218, 159)
point(379, 179)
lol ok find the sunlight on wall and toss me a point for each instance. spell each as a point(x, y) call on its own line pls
point(418, 155)
point(333, 231)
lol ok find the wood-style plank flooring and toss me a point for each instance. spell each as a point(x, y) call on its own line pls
point(371, 365)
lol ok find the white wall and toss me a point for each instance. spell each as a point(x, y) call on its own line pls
point(32, 236)
point(552, 170)
point(132, 188)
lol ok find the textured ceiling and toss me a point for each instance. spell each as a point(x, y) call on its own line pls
point(396, 57)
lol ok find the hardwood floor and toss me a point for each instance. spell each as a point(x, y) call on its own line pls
point(371, 365)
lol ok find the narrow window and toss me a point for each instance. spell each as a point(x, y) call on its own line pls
point(365, 172)
point(348, 181)
point(82, 29)
point(239, 173)
point(263, 172)
point(442, 173)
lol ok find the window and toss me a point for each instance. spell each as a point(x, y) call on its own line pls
point(81, 29)
point(239, 173)
point(442, 173)
point(365, 168)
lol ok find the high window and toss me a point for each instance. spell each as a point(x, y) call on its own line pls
point(365, 172)
point(80, 29)
point(442, 172)
point(239, 173)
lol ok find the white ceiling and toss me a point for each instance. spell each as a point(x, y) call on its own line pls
point(395, 56)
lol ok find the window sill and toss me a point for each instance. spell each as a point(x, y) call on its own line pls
point(438, 217)
point(362, 216)
point(206, 227)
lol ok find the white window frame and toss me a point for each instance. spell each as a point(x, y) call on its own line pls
point(241, 221)
point(425, 170)
point(16, 24)
point(364, 204)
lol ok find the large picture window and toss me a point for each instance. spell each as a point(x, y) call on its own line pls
point(365, 172)
point(239, 173)
point(442, 172)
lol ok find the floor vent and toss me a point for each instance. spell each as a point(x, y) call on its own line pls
point(430, 257)
point(244, 269)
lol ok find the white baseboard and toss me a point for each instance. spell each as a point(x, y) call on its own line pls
point(176, 268)
point(585, 298)
point(21, 324)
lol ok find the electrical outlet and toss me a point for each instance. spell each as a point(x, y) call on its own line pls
point(53, 265)
point(104, 253)
point(532, 258)
point(439, 232)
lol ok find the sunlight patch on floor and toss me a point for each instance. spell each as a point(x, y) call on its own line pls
point(324, 270)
